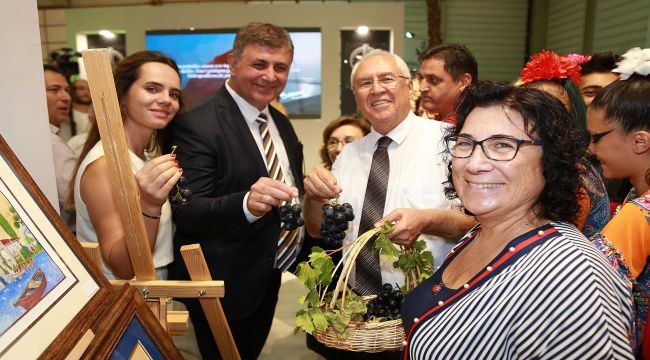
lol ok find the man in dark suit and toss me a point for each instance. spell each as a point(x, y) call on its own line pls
point(223, 149)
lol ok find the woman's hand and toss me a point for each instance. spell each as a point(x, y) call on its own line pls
point(155, 180)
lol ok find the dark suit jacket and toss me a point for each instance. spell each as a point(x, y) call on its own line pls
point(221, 161)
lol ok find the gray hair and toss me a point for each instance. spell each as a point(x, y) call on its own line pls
point(399, 62)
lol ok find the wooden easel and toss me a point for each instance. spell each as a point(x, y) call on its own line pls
point(127, 199)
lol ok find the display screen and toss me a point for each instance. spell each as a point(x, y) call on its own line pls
point(202, 57)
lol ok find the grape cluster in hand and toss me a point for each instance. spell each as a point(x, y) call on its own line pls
point(335, 223)
point(180, 195)
point(290, 216)
point(386, 305)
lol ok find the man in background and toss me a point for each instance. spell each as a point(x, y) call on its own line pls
point(445, 71)
point(81, 103)
point(242, 160)
point(57, 91)
point(596, 74)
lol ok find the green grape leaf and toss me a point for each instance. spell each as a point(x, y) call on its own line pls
point(385, 247)
point(339, 323)
point(355, 307)
point(303, 321)
point(324, 268)
point(318, 318)
point(302, 299)
point(312, 298)
point(307, 275)
point(317, 253)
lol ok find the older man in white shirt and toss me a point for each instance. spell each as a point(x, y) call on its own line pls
point(414, 195)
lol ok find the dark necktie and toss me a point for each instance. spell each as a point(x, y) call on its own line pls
point(289, 242)
point(368, 273)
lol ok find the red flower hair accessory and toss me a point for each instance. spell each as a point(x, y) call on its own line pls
point(548, 65)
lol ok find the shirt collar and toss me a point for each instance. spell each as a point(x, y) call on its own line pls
point(249, 111)
point(398, 134)
point(54, 130)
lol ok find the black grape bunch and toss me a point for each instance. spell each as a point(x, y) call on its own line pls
point(335, 222)
point(290, 215)
point(180, 194)
point(386, 305)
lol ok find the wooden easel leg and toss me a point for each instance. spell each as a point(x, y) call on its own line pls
point(158, 307)
point(198, 270)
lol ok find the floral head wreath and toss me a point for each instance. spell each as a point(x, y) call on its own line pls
point(635, 61)
point(548, 65)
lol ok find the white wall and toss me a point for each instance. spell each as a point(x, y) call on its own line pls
point(331, 18)
point(24, 123)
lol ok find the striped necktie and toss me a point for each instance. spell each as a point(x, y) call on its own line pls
point(368, 272)
point(290, 241)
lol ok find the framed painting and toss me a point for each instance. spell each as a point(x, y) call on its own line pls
point(47, 287)
point(132, 332)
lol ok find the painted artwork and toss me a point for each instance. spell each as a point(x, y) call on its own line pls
point(27, 273)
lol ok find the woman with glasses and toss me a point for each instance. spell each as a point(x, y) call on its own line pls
point(524, 283)
point(340, 132)
point(618, 121)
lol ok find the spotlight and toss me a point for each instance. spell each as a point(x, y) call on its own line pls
point(409, 34)
point(362, 30)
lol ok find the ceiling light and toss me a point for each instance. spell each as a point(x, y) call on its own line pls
point(362, 30)
point(107, 34)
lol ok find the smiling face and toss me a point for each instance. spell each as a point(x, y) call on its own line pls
point(613, 150)
point(57, 91)
point(438, 89)
point(497, 190)
point(260, 74)
point(152, 101)
point(385, 108)
point(340, 137)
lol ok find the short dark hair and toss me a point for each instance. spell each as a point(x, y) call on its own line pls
point(546, 119)
point(600, 62)
point(54, 69)
point(357, 120)
point(457, 58)
point(626, 103)
point(262, 34)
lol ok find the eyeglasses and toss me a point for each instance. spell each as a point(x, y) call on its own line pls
point(334, 142)
point(595, 138)
point(387, 81)
point(498, 148)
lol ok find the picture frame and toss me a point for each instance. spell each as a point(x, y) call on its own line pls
point(50, 294)
point(131, 331)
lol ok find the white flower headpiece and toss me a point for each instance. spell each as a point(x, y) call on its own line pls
point(635, 61)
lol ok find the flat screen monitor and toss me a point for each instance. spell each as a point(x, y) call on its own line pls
point(202, 56)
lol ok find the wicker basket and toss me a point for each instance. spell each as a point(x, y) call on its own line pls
point(369, 337)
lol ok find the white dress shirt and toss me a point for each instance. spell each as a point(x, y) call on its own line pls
point(250, 114)
point(417, 174)
point(64, 162)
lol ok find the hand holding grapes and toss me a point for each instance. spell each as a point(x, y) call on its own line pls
point(321, 183)
point(267, 193)
point(155, 180)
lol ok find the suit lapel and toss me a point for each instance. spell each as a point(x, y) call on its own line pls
point(236, 122)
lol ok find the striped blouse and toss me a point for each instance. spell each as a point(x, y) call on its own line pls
point(549, 295)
